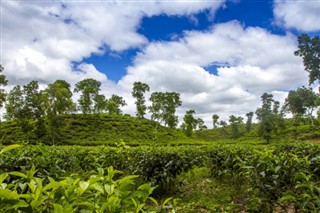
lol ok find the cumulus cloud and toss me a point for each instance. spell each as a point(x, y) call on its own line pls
point(257, 62)
point(300, 15)
point(46, 41)
point(42, 39)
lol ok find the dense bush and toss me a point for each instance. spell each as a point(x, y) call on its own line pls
point(284, 176)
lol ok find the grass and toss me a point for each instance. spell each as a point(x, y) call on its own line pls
point(198, 191)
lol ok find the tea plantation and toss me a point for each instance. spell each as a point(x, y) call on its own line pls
point(140, 166)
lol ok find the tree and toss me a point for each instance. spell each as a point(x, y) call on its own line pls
point(14, 103)
point(223, 123)
point(57, 100)
point(215, 119)
point(309, 50)
point(114, 104)
point(190, 123)
point(249, 121)
point(26, 105)
point(138, 92)
point(3, 82)
point(89, 88)
point(235, 123)
point(302, 101)
point(201, 125)
point(100, 103)
point(164, 106)
point(270, 119)
point(32, 100)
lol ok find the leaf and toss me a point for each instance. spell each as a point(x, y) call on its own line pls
point(8, 204)
point(58, 208)
point(3, 176)
point(8, 148)
point(53, 185)
point(7, 194)
point(154, 201)
point(19, 174)
point(83, 185)
point(277, 169)
point(109, 189)
point(98, 187)
point(167, 200)
point(287, 198)
point(147, 187)
point(111, 204)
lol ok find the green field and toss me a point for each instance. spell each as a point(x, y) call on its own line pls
point(162, 170)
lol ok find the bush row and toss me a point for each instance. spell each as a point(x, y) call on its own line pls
point(285, 176)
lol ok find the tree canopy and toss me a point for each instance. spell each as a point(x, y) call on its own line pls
point(309, 50)
point(138, 91)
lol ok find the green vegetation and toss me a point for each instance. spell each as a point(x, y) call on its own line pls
point(94, 130)
point(240, 167)
point(258, 179)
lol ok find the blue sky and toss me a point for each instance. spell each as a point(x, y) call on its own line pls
point(219, 55)
point(166, 28)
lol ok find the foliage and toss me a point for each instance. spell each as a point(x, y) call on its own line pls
point(190, 123)
point(302, 101)
point(309, 50)
point(163, 108)
point(215, 119)
point(270, 119)
point(114, 104)
point(249, 121)
point(235, 123)
point(100, 192)
point(57, 99)
point(14, 103)
point(96, 129)
point(138, 91)
point(89, 88)
point(273, 173)
point(260, 179)
point(3, 82)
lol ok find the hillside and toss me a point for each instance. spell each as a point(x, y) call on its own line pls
point(291, 132)
point(95, 129)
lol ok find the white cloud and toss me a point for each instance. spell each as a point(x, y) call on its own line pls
point(41, 39)
point(258, 61)
point(297, 14)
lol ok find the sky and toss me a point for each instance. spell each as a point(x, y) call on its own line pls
point(220, 55)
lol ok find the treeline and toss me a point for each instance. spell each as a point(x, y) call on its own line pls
point(30, 106)
point(38, 110)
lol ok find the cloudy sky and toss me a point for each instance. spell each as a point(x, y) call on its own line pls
point(219, 55)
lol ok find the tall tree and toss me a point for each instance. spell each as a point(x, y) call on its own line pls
point(57, 100)
point(32, 109)
point(302, 101)
point(164, 106)
point(201, 125)
point(89, 88)
point(215, 119)
point(235, 123)
point(190, 123)
point(3, 82)
point(249, 121)
point(14, 103)
point(114, 104)
point(138, 91)
point(100, 103)
point(32, 100)
point(309, 50)
point(270, 119)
